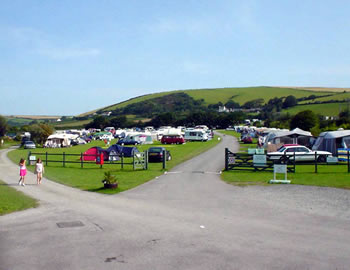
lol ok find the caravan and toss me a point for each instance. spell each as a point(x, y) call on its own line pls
point(196, 135)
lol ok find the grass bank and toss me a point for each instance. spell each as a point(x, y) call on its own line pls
point(13, 200)
point(327, 176)
point(89, 178)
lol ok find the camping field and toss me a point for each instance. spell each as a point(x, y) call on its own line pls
point(327, 176)
point(89, 178)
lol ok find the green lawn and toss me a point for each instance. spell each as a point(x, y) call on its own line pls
point(327, 176)
point(89, 178)
point(13, 200)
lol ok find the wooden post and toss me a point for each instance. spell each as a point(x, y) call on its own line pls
point(46, 161)
point(29, 154)
point(294, 162)
point(64, 159)
point(348, 163)
point(146, 159)
point(226, 159)
point(316, 162)
point(164, 159)
point(133, 161)
point(81, 160)
point(122, 160)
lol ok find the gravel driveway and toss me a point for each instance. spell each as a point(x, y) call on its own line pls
point(185, 219)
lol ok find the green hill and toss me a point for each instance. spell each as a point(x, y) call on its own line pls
point(215, 95)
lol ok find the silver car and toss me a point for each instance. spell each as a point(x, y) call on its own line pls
point(29, 145)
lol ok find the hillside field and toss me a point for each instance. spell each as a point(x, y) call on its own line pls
point(213, 96)
point(328, 109)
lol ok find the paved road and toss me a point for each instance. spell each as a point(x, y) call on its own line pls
point(185, 219)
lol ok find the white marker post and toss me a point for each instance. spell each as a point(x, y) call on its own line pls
point(282, 169)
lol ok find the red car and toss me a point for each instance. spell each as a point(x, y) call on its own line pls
point(170, 139)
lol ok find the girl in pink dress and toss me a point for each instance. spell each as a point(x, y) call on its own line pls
point(22, 171)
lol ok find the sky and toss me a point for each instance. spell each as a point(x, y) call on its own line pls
point(69, 57)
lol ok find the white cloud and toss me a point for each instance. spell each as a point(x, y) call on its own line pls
point(67, 53)
point(41, 43)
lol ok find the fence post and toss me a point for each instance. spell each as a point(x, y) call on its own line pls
point(122, 160)
point(226, 159)
point(348, 163)
point(294, 162)
point(316, 162)
point(64, 159)
point(164, 159)
point(133, 161)
point(146, 159)
point(46, 161)
point(29, 154)
point(81, 160)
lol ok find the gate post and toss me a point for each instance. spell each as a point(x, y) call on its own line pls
point(164, 159)
point(316, 162)
point(226, 159)
point(348, 162)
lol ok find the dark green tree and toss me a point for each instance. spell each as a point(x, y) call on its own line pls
point(3, 126)
point(290, 101)
point(305, 120)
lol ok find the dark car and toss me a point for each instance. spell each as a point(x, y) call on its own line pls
point(170, 139)
point(155, 154)
point(247, 139)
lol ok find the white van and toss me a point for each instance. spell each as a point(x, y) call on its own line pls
point(196, 135)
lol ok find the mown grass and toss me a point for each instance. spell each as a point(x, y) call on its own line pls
point(13, 200)
point(8, 143)
point(327, 175)
point(89, 178)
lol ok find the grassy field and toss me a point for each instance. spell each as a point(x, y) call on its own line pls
point(89, 178)
point(13, 200)
point(327, 176)
point(329, 109)
point(72, 123)
point(335, 96)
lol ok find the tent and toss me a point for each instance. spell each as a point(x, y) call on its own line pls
point(331, 141)
point(116, 149)
point(92, 153)
point(296, 136)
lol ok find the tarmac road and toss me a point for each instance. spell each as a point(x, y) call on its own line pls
point(185, 219)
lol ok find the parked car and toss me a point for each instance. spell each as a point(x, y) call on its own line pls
point(29, 145)
point(172, 139)
point(247, 139)
point(129, 141)
point(78, 141)
point(155, 154)
point(302, 153)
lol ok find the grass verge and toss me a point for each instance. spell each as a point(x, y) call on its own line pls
point(89, 178)
point(13, 200)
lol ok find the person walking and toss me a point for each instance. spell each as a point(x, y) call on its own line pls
point(39, 170)
point(22, 172)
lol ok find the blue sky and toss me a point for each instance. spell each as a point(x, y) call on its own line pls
point(68, 57)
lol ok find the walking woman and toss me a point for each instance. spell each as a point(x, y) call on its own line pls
point(22, 172)
point(39, 170)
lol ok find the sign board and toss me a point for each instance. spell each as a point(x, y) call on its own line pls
point(259, 159)
point(277, 168)
point(231, 160)
point(280, 168)
point(332, 160)
point(32, 158)
point(260, 151)
point(251, 151)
